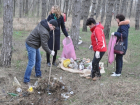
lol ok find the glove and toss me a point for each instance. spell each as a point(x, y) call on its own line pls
point(97, 54)
point(112, 33)
point(69, 37)
point(90, 47)
point(52, 53)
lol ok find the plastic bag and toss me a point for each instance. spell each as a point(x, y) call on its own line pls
point(66, 62)
point(68, 49)
point(111, 44)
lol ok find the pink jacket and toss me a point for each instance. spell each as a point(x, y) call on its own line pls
point(111, 45)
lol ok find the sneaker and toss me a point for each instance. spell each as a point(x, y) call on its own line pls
point(49, 64)
point(54, 64)
point(113, 72)
point(115, 75)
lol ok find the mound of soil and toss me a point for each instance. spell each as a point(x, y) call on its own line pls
point(43, 94)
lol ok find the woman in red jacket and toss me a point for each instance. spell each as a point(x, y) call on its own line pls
point(99, 46)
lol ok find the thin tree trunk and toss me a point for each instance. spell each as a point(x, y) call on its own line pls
point(93, 8)
point(34, 8)
point(108, 18)
point(38, 7)
point(70, 8)
point(66, 10)
point(26, 8)
point(64, 6)
point(57, 2)
point(130, 8)
point(98, 8)
point(20, 8)
point(123, 7)
point(85, 13)
point(0, 7)
point(137, 15)
point(82, 7)
point(60, 3)
point(75, 26)
point(14, 8)
point(51, 3)
point(103, 11)
point(43, 16)
point(117, 6)
point(6, 52)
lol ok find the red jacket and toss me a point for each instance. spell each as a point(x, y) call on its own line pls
point(98, 38)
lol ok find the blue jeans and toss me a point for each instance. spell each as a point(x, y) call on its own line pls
point(34, 59)
point(119, 63)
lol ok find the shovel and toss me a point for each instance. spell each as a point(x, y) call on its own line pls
point(48, 87)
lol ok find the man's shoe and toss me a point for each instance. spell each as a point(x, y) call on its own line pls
point(54, 64)
point(88, 77)
point(115, 75)
point(94, 79)
point(113, 72)
point(49, 64)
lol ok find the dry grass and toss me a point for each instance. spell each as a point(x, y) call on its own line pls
point(124, 90)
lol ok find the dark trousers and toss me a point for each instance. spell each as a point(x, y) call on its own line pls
point(95, 65)
point(54, 57)
point(119, 63)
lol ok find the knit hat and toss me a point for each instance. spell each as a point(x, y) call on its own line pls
point(54, 23)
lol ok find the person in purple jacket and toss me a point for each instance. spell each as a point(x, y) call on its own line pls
point(122, 30)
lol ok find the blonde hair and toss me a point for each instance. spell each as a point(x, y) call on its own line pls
point(57, 11)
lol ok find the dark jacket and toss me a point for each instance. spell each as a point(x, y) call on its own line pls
point(39, 37)
point(57, 32)
point(124, 30)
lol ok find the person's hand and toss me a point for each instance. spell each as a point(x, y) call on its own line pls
point(69, 36)
point(90, 47)
point(112, 33)
point(97, 54)
point(52, 53)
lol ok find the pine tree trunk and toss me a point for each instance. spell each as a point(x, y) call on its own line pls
point(93, 8)
point(43, 16)
point(98, 8)
point(108, 18)
point(137, 15)
point(6, 52)
point(130, 8)
point(38, 7)
point(20, 8)
point(103, 11)
point(85, 13)
point(75, 26)
point(26, 8)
